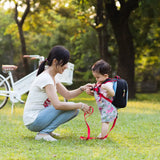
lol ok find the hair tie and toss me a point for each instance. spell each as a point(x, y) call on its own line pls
point(46, 60)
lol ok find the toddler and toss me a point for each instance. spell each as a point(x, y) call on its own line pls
point(108, 111)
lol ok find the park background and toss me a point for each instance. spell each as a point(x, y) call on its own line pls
point(126, 33)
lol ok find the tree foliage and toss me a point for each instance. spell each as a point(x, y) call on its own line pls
point(6, 40)
point(147, 36)
point(81, 26)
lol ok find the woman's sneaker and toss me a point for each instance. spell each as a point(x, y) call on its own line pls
point(53, 134)
point(45, 137)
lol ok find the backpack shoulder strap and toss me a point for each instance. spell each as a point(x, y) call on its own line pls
point(107, 80)
point(101, 95)
point(117, 77)
point(97, 89)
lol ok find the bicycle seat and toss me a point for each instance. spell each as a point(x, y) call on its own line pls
point(9, 67)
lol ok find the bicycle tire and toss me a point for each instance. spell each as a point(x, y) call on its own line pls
point(3, 99)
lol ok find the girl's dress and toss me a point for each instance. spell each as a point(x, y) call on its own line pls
point(107, 110)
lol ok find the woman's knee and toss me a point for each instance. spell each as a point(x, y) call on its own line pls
point(76, 112)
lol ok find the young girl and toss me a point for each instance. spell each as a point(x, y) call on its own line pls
point(108, 111)
point(43, 111)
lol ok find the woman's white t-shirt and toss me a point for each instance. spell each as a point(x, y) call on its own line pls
point(37, 97)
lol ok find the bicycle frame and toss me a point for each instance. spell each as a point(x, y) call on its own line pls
point(22, 86)
point(13, 92)
point(5, 80)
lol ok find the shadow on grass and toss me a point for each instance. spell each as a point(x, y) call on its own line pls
point(75, 140)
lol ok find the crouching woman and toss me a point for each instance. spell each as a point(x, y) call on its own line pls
point(43, 111)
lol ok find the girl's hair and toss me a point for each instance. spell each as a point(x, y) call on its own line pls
point(59, 53)
point(101, 67)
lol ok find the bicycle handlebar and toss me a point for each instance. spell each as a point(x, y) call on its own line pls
point(41, 58)
point(34, 57)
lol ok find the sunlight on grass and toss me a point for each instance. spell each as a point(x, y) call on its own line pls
point(80, 98)
point(135, 136)
point(141, 107)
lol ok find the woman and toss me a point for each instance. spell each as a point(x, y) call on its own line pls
point(43, 111)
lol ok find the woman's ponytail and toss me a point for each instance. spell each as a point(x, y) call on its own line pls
point(59, 53)
point(41, 67)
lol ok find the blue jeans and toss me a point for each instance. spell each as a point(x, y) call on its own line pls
point(50, 118)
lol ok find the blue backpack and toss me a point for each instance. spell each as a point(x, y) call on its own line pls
point(121, 92)
point(120, 87)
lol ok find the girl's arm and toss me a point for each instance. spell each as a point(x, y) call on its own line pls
point(53, 97)
point(109, 89)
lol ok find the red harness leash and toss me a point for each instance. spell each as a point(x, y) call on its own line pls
point(89, 131)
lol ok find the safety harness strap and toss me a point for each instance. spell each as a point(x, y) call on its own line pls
point(86, 115)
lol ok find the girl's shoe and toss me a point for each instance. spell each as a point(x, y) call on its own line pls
point(45, 137)
point(99, 136)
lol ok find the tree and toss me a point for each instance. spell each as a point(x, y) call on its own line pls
point(146, 40)
point(119, 18)
point(114, 24)
point(118, 15)
point(6, 42)
point(21, 33)
point(20, 18)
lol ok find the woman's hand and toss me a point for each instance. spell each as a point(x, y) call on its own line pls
point(85, 108)
point(86, 86)
point(89, 89)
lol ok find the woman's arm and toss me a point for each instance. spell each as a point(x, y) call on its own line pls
point(53, 97)
point(62, 90)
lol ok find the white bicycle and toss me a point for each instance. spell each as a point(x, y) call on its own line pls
point(14, 90)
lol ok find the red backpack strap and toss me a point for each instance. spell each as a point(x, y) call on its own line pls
point(117, 77)
point(101, 95)
point(96, 88)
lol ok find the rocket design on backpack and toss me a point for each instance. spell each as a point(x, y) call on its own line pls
point(120, 87)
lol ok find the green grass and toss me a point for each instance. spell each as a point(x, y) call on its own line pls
point(136, 135)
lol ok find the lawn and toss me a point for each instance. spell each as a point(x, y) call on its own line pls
point(136, 135)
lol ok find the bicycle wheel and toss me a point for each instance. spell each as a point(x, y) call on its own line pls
point(3, 96)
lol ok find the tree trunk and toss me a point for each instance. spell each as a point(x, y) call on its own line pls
point(126, 67)
point(23, 49)
point(103, 43)
point(11, 51)
point(119, 20)
point(20, 29)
